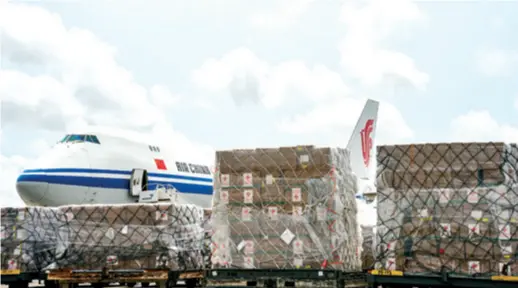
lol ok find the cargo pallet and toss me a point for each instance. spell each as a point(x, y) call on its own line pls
point(282, 278)
point(68, 278)
point(397, 279)
point(17, 279)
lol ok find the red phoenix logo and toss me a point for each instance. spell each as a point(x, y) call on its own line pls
point(367, 141)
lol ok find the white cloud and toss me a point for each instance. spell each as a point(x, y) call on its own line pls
point(285, 14)
point(496, 62)
point(248, 78)
point(481, 126)
point(10, 167)
point(81, 84)
point(367, 27)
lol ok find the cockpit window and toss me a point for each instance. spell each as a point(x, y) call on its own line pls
point(75, 138)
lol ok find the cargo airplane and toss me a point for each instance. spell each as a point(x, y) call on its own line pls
point(104, 168)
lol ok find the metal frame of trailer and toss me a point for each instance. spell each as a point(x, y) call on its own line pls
point(17, 279)
point(393, 279)
point(282, 278)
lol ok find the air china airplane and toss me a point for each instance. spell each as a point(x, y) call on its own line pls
point(101, 168)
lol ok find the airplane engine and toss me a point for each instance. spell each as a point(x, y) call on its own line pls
point(138, 182)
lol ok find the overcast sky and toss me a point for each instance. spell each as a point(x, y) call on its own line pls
point(208, 75)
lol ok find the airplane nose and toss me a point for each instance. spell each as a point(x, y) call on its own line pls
point(31, 192)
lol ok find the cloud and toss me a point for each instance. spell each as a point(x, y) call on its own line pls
point(285, 14)
point(496, 62)
point(368, 26)
point(62, 79)
point(342, 114)
point(479, 125)
point(10, 169)
point(249, 79)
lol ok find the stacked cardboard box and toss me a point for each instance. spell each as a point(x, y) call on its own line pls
point(448, 206)
point(28, 238)
point(367, 247)
point(290, 207)
point(134, 236)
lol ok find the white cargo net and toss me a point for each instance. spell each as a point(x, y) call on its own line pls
point(290, 207)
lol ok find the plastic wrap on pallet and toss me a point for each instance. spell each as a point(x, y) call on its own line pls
point(133, 236)
point(448, 207)
point(368, 245)
point(291, 207)
point(28, 237)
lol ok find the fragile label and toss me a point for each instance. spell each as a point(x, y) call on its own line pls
point(444, 196)
point(505, 232)
point(225, 180)
point(12, 264)
point(321, 213)
point(248, 262)
point(248, 196)
point(473, 196)
point(445, 230)
point(287, 236)
point(390, 264)
point(391, 245)
point(269, 179)
point(474, 229)
point(296, 194)
point(247, 179)
point(161, 215)
point(249, 247)
point(298, 247)
point(224, 196)
point(273, 212)
point(246, 214)
point(297, 211)
point(473, 267)
point(298, 262)
point(112, 260)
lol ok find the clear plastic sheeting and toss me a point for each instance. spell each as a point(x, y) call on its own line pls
point(28, 237)
point(134, 236)
point(448, 207)
point(291, 207)
point(368, 245)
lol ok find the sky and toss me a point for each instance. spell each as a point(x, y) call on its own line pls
point(209, 75)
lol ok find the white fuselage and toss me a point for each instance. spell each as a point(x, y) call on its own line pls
point(89, 173)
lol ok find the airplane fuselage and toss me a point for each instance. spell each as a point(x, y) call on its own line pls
point(84, 172)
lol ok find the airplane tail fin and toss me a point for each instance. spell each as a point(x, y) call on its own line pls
point(361, 142)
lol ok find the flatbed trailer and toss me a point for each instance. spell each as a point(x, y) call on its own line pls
point(399, 279)
point(283, 278)
point(68, 278)
point(15, 278)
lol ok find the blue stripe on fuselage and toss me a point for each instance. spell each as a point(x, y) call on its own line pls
point(118, 172)
point(113, 183)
